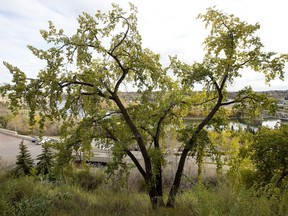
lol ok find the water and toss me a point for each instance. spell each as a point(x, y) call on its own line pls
point(242, 123)
point(270, 123)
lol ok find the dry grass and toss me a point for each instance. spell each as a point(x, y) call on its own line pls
point(33, 196)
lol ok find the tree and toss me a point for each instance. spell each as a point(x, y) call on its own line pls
point(45, 160)
point(87, 70)
point(24, 163)
point(231, 47)
point(86, 74)
point(269, 153)
point(4, 121)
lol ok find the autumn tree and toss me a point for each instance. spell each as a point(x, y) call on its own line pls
point(231, 47)
point(85, 72)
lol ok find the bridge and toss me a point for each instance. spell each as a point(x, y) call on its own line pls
point(103, 156)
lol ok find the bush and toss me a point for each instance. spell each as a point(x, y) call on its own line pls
point(88, 180)
point(269, 154)
point(248, 177)
point(4, 121)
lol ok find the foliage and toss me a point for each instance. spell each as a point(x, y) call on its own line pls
point(254, 105)
point(45, 162)
point(4, 121)
point(225, 200)
point(231, 46)
point(85, 72)
point(235, 148)
point(199, 150)
point(269, 153)
point(28, 196)
point(86, 75)
point(20, 123)
point(24, 163)
point(88, 180)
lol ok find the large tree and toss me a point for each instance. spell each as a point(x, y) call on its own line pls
point(231, 48)
point(81, 86)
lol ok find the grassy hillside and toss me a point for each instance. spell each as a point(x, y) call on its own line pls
point(86, 193)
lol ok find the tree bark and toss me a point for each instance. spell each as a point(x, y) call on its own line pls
point(177, 180)
point(156, 199)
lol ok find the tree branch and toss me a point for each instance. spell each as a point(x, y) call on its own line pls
point(137, 164)
point(204, 102)
point(68, 83)
point(125, 35)
point(129, 153)
point(238, 100)
point(160, 123)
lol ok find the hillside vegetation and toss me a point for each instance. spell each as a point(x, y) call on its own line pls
point(89, 194)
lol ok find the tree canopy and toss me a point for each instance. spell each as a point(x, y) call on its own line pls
point(269, 154)
point(85, 73)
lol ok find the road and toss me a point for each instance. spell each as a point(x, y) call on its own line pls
point(9, 149)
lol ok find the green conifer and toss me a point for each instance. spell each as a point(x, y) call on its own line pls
point(24, 163)
point(45, 160)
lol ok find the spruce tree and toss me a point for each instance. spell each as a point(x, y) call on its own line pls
point(45, 160)
point(24, 163)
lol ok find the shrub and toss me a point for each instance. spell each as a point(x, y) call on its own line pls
point(4, 121)
point(269, 154)
point(87, 180)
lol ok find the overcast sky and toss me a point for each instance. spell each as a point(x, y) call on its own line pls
point(168, 27)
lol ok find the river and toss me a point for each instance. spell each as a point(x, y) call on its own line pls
point(243, 123)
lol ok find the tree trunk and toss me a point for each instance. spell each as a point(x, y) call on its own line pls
point(156, 188)
point(159, 183)
point(176, 184)
point(155, 198)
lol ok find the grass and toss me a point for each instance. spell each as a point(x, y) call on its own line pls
point(33, 196)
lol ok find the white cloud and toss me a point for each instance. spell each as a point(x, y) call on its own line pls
point(167, 27)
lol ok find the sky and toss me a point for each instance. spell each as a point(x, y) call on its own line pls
point(168, 27)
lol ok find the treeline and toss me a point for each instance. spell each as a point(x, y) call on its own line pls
point(20, 122)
